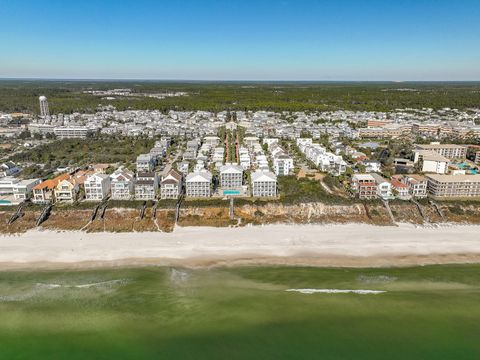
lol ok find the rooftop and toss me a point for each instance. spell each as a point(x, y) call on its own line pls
point(454, 178)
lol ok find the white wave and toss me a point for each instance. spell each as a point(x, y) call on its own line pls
point(100, 284)
point(83, 286)
point(336, 291)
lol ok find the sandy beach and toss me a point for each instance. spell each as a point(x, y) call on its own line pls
point(315, 245)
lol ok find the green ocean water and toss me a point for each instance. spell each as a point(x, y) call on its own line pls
point(241, 313)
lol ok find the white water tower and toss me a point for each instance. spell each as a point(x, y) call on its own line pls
point(43, 106)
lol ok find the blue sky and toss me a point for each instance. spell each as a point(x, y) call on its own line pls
point(241, 40)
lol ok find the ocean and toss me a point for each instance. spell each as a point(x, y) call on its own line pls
point(430, 312)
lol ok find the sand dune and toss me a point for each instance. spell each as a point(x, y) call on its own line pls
point(318, 245)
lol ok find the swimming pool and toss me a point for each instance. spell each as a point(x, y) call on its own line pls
point(231, 192)
point(462, 165)
point(5, 202)
point(467, 167)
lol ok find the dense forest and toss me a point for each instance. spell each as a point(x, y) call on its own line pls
point(67, 96)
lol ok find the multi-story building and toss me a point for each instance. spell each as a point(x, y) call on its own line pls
point(378, 122)
point(432, 162)
point(97, 187)
point(72, 132)
point(24, 189)
point(145, 163)
point(426, 129)
point(401, 189)
point(473, 153)
point(283, 165)
point(44, 192)
point(264, 184)
point(66, 190)
point(418, 185)
point(20, 189)
point(122, 184)
point(211, 141)
point(231, 176)
point(146, 185)
point(322, 158)
point(372, 166)
point(385, 131)
point(365, 186)
point(450, 151)
point(218, 155)
point(384, 187)
point(198, 184)
point(244, 157)
point(282, 162)
point(171, 185)
point(7, 185)
point(455, 186)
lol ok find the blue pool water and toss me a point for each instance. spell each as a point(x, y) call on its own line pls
point(465, 166)
point(231, 192)
point(5, 202)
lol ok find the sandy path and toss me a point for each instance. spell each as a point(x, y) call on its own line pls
point(322, 245)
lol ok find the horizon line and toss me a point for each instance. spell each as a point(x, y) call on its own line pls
point(227, 80)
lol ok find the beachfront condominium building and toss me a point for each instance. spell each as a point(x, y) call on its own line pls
point(66, 190)
point(455, 186)
point(97, 187)
point(384, 187)
point(450, 151)
point(44, 111)
point(171, 185)
point(401, 189)
point(146, 185)
point(417, 185)
point(198, 184)
point(20, 189)
point(364, 186)
point(122, 184)
point(231, 176)
point(44, 192)
point(264, 184)
point(24, 189)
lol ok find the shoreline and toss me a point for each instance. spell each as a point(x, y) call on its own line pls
point(338, 245)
